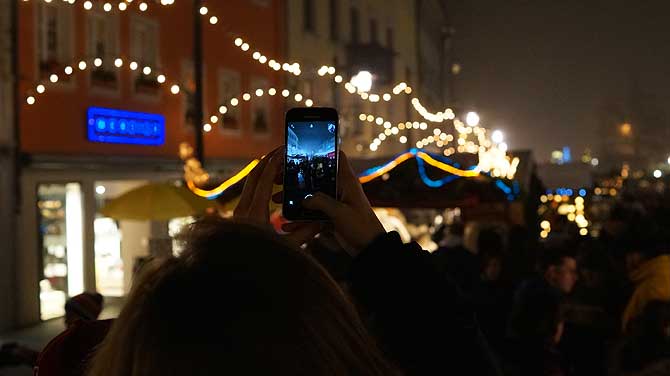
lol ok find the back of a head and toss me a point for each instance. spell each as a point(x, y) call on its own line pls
point(240, 301)
point(554, 256)
point(489, 240)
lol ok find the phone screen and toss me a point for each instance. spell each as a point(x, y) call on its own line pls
point(310, 166)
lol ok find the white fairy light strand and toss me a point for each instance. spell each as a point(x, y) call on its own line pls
point(85, 64)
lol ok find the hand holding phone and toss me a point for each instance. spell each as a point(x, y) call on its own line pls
point(311, 160)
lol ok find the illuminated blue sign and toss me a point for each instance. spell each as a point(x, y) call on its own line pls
point(125, 127)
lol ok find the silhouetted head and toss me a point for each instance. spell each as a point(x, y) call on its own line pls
point(238, 300)
point(86, 306)
point(559, 269)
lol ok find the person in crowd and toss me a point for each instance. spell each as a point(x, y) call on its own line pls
point(649, 271)
point(86, 306)
point(646, 350)
point(557, 274)
point(536, 328)
point(492, 298)
point(591, 312)
point(279, 312)
point(519, 264)
point(454, 259)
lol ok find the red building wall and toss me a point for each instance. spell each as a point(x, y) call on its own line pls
point(56, 123)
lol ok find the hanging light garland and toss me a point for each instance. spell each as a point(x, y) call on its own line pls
point(108, 7)
point(87, 64)
point(299, 98)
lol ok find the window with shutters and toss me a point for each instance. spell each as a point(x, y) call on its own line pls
point(144, 47)
point(103, 43)
point(55, 38)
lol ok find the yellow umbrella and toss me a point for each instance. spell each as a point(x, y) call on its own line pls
point(156, 201)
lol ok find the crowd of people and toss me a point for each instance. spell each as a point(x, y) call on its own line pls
point(348, 298)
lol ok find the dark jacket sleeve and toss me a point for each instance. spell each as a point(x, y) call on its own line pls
point(419, 316)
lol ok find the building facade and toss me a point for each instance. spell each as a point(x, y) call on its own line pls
point(352, 36)
point(7, 170)
point(97, 119)
point(434, 55)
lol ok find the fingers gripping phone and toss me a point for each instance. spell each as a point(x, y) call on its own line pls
point(311, 159)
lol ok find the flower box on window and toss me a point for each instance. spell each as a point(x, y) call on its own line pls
point(104, 78)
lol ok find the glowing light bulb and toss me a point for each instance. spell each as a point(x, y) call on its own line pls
point(223, 110)
point(175, 89)
point(285, 93)
point(53, 78)
point(68, 70)
point(134, 65)
point(272, 91)
point(238, 42)
point(118, 62)
point(207, 128)
point(259, 92)
point(40, 88)
point(403, 139)
point(88, 5)
point(263, 59)
point(123, 6)
point(204, 11)
point(82, 65)
point(338, 79)
point(234, 102)
point(97, 62)
point(213, 20)
point(245, 47)
point(146, 71)
point(30, 100)
point(298, 97)
point(472, 119)
point(246, 96)
point(107, 7)
point(309, 103)
point(143, 7)
point(214, 119)
point(256, 55)
point(161, 78)
point(386, 97)
point(497, 136)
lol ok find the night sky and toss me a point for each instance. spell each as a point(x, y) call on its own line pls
point(540, 69)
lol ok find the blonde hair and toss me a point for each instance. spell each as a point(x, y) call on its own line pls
point(237, 301)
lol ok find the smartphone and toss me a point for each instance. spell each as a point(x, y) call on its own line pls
point(311, 159)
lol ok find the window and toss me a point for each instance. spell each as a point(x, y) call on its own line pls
point(144, 34)
point(260, 107)
point(54, 38)
point(103, 43)
point(334, 21)
point(355, 26)
point(374, 36)
point(308, 15)
point(390, 39)
point(229, 88)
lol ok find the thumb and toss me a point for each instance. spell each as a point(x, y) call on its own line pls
point(323, 203)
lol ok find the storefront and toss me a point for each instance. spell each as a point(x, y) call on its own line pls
point(68, 247)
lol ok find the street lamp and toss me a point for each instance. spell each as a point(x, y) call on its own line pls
point(497, 136)
point(362, 81)
point(472, 119)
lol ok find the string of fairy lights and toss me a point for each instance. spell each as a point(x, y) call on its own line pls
point(106, 6)
point(492, 153)
point(97, 62)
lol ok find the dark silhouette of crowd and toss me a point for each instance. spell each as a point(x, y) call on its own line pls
point(348, 298)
